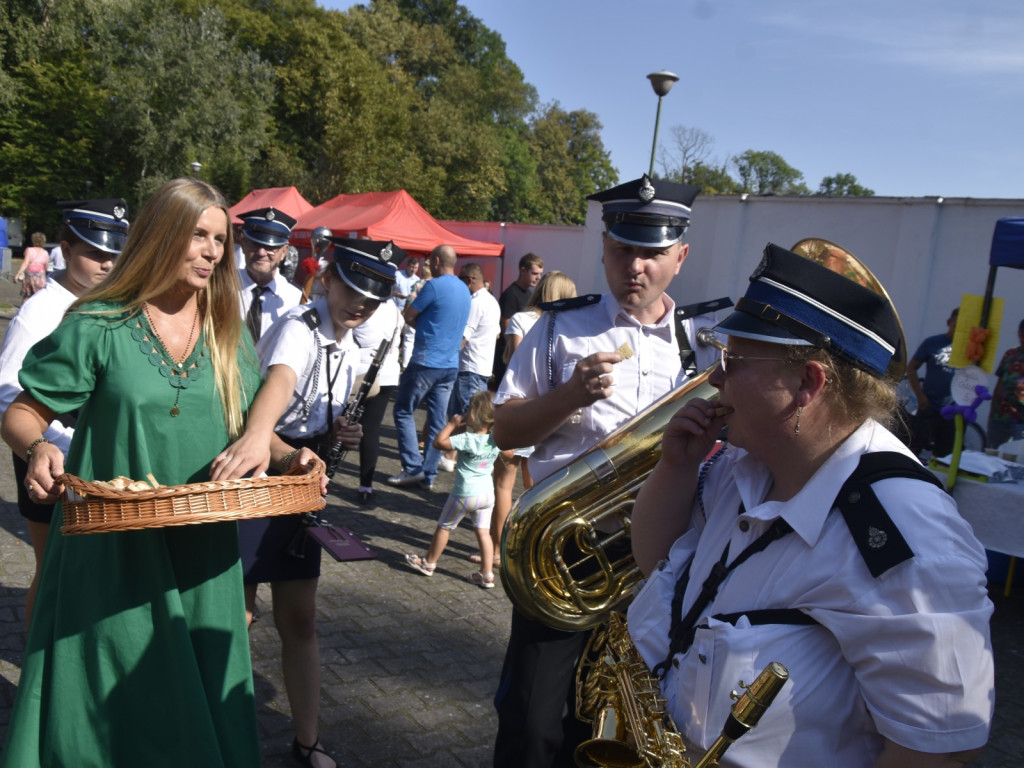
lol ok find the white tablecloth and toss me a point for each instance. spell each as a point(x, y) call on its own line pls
point(995, 512)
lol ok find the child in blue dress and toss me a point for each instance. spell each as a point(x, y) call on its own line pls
point(473, 492)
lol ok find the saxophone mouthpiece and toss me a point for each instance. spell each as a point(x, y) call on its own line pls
point(706, 336)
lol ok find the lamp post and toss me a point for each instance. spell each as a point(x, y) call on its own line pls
point(662, 83)
point(195, 168)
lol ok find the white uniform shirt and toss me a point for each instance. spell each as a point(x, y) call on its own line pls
point(37, 317)
point(293, 343)
point(384, 323)
point(906, 655)
point(281, 297)
point(481, 335)
point(521, 322)
point(652, 371)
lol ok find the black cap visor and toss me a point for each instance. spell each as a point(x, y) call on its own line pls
point(107, 237)
point(750, 326)
point(364, 280)
point(264, 234)
point(645, 235)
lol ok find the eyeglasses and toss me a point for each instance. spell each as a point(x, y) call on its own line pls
point(728, 356)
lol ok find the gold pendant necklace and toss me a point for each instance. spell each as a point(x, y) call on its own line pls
point(174, 371)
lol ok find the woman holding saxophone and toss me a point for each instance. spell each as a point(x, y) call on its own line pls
point(813, 539)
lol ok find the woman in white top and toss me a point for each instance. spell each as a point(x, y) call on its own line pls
point(553, 286)
point(309, 360)
point(89, 252)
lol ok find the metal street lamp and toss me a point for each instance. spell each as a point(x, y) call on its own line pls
point(662, 83)
point(195, 168)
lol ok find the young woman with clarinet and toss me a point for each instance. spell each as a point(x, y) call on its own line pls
point(309, 360)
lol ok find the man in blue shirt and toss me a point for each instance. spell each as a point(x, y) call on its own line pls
point(929, 431)
point(439, 316)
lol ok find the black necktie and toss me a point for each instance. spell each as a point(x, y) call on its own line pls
point(254, 317)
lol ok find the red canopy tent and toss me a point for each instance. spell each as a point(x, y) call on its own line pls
point(285, 199)
point(393, 216)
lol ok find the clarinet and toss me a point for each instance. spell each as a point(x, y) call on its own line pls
point(355, 406)
point(353, 413)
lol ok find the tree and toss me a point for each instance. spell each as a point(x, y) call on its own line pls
point(50, 109)
point(181, 91)
point(712, 179)
point(764, 173)
point(688, 162)
point(689, 147)
point(843, 184)
point(571, 163)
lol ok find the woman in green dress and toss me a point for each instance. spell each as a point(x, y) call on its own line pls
point(138, 652)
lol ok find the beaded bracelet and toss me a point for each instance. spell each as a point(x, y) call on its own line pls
point(286, 460)
point(32, 447)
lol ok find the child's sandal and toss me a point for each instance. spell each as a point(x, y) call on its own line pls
point(482, 581)
point(421, 564)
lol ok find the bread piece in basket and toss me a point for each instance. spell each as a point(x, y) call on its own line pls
point(89, 507)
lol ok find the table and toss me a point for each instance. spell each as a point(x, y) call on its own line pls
point(995, 512)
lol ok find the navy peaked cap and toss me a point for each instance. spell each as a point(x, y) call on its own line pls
point(102, 223)
point(367, 266)
point(267, 226)
point(648, 213)
point(794, 300)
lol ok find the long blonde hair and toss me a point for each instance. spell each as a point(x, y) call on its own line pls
point(158, 239)
point(553, 285)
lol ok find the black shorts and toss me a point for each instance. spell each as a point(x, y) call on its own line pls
point(31, 510)
point(277, 549)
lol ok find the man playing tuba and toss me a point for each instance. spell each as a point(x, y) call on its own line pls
point(586, 367)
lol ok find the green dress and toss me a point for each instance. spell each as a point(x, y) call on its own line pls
point(138, 652)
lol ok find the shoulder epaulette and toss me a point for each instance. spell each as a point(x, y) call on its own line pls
point(703, 308)
point(574, 303)
point(878, 539)
point(312, 318)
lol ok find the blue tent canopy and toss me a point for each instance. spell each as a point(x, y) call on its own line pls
point(1008, 243)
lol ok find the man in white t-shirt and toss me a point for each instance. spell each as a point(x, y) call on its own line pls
point(476, 358)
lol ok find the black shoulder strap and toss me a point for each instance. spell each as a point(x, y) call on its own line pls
point(312, 318)
point(687, 355)
point(574, 303)
point(879, 540)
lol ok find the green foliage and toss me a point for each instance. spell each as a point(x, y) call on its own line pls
point(712, 179)
point(763, 173)
point(843, 184)
point(571, 164)
point(114, 97)
point(181, 91)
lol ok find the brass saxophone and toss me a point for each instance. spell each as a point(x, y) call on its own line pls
point(558, 548)
point(616, 691)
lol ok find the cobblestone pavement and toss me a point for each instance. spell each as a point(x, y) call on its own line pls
point(410, 663)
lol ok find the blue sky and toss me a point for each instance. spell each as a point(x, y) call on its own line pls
point(913, 97)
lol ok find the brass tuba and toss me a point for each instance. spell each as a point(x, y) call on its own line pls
point(561, 563)
point(564, 550)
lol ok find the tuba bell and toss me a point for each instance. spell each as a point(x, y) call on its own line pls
point(565, 547)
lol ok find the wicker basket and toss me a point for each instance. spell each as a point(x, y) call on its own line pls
point(92, 508)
